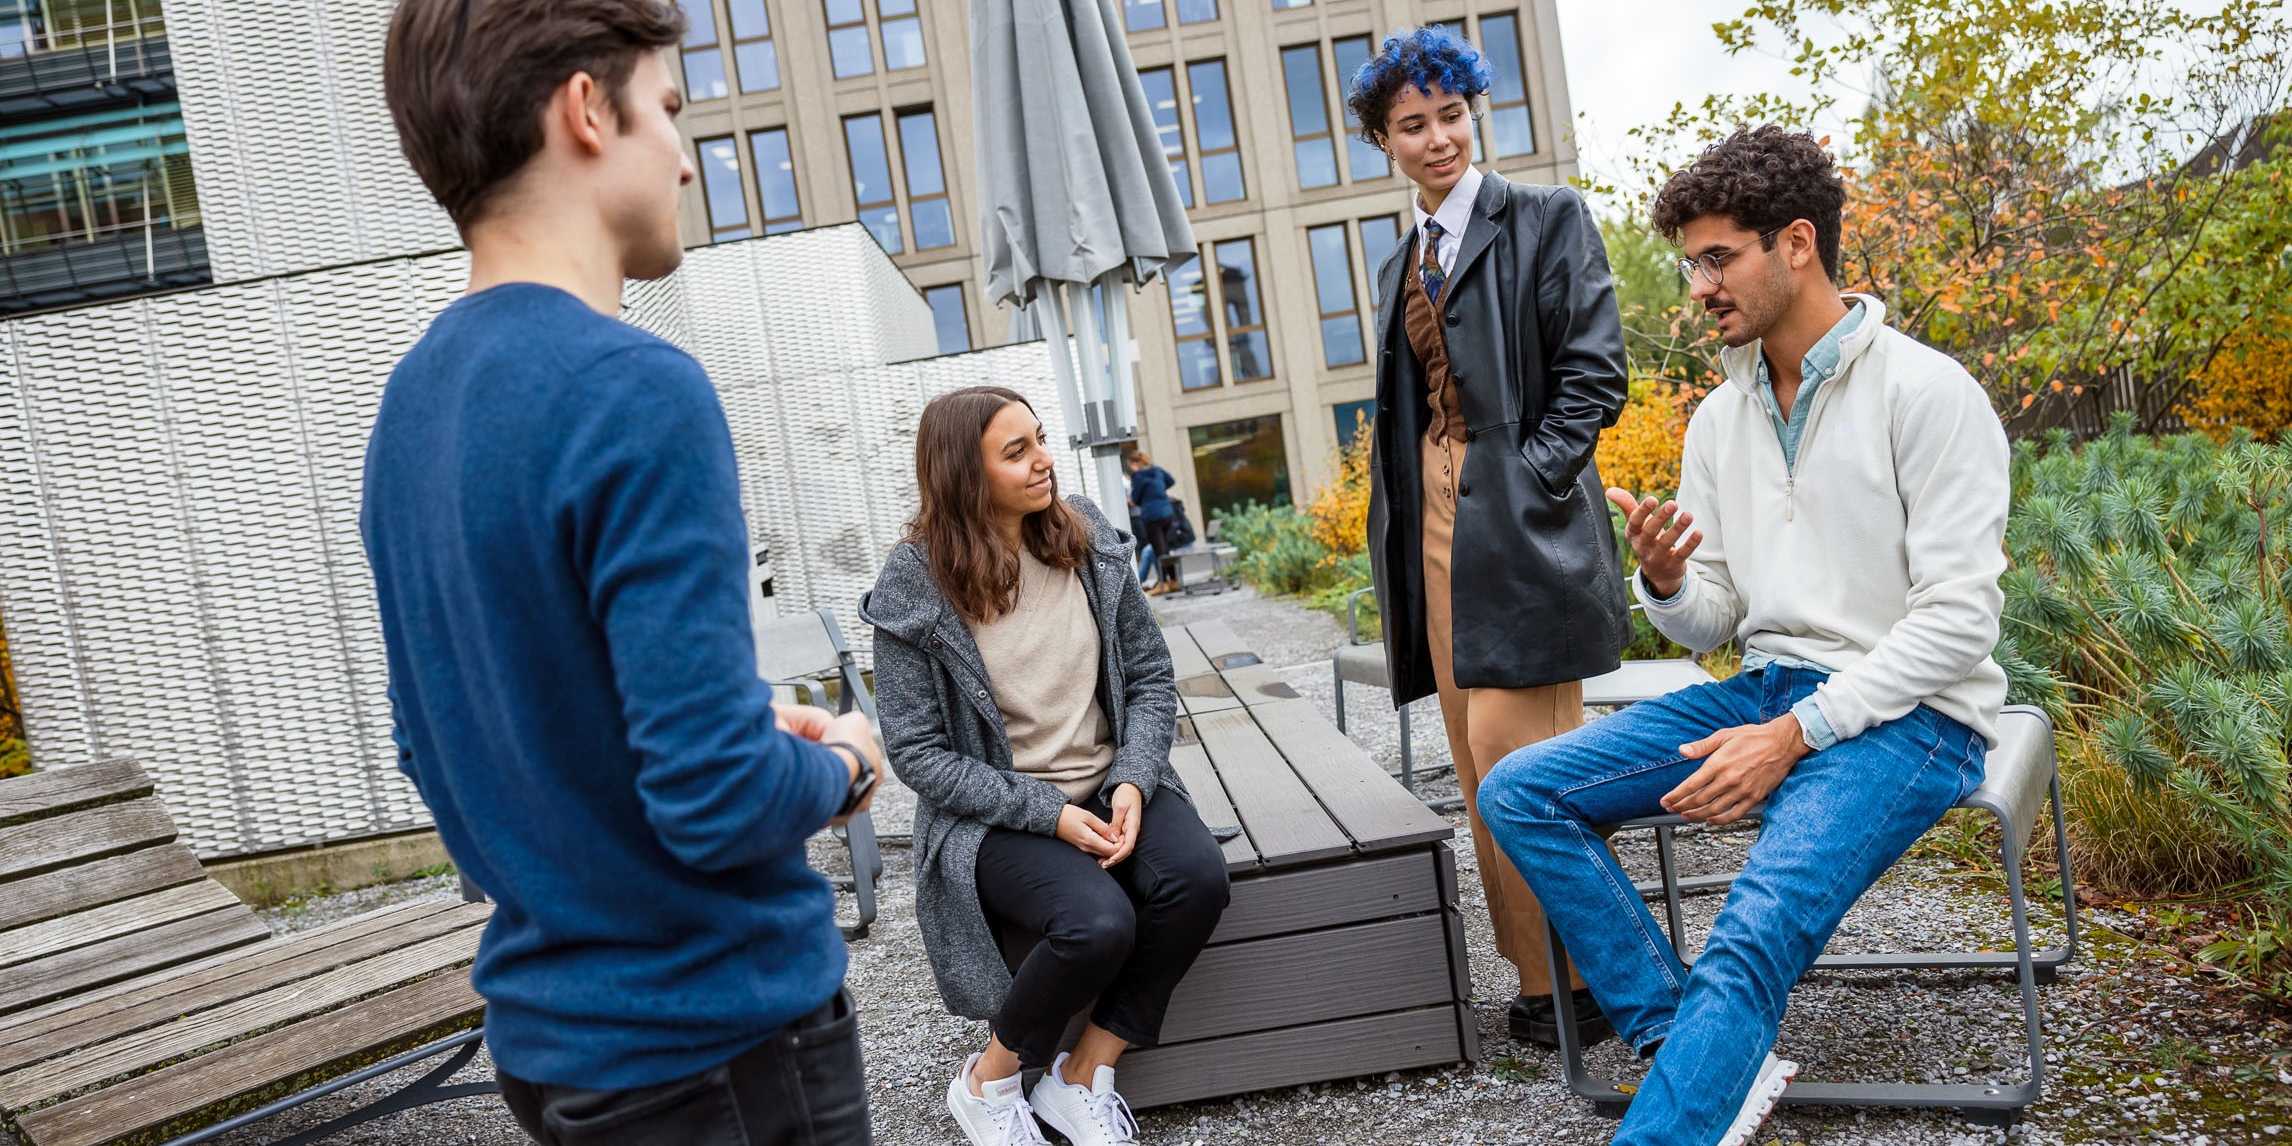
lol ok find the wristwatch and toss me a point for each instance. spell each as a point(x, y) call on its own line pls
point(862, 784)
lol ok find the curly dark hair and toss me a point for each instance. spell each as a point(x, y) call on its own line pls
point(1420, 58)
point(1763, 178)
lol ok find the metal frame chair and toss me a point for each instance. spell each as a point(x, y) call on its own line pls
point(2022, 777)
point(804, 654)
point(1363, 662)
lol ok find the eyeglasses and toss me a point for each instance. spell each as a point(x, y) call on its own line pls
point(1712, 264)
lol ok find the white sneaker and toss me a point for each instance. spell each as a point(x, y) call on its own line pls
point(1002, 1118)
point(1088, 1115)
point(1766, 1090)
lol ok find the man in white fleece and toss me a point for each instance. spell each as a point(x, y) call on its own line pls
point(1841, 516)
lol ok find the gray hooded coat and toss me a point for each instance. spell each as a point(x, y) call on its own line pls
point(945, 738)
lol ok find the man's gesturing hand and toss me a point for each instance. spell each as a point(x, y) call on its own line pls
point(1741, 767)
point(1654, 532)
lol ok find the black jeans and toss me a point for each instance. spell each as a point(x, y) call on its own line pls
point(1123, 936)
point(1158, 536)
point(801, 1087)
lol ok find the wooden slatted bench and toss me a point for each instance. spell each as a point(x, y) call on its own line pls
point(141, 1001)
point(1342, 952)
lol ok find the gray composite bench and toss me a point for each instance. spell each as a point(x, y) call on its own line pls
point(140, 1001)
point(2021, 780)
point(1342, 952)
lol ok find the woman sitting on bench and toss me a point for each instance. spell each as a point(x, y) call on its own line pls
point(1027, 698)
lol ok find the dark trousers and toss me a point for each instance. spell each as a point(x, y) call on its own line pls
point(1123, 936)
point(1158, 536)
point(801, 1087)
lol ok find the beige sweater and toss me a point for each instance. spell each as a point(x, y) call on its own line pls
point(1042, 662)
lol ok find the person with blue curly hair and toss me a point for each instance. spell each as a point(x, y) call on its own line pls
point(1500, 359)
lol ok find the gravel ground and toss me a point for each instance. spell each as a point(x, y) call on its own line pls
point(2137, 1050)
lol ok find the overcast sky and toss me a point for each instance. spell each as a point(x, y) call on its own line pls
point(1629, 61)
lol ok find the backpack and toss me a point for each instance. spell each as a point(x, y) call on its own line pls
point(1181, 530)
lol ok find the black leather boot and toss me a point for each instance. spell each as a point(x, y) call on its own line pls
point(1530, 1019)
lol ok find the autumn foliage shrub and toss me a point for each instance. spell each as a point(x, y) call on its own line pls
point(15, 758)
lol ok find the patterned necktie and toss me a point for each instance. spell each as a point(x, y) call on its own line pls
point(1435, 278)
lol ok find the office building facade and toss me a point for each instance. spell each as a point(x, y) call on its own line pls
point(1253, 360)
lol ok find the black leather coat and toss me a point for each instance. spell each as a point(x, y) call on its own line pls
point(1536, 351)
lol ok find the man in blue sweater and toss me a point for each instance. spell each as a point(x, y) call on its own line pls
point(553, 517)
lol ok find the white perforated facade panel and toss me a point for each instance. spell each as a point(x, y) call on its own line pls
point(295, 157)
point(180, 565)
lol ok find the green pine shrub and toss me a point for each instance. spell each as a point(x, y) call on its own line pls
point(2149, 610)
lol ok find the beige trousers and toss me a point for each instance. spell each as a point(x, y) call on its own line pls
point(1486, 724)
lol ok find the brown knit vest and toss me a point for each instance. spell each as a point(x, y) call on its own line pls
point(1422, 322)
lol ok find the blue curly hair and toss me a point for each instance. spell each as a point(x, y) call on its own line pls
point(1420, 58)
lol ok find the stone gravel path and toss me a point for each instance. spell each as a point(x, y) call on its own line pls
point(2137, 1052)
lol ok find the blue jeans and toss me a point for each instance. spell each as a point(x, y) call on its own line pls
point(1834, 825)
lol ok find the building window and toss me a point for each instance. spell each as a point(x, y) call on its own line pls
point(1379, 235)
point(1509, 130)
point(1197, 336)
point(1239, 462)
point(1197, 11)
point(1243, 312)
point(1353, 418)
point(848, 47)
point(1162, 98)
point(753, 54)
point(95, 176)
point(1143, 15)
point(950, 317)
point(927, 208)
point(703, 59)
point(720, 186)
point(1367, 161)
point(871, 179)
point(1221, 309)
point(1340, 303)
point(1285, 5)
point(1310, 142)
point(902, 32)
point(776, 180)
point(1215, 143)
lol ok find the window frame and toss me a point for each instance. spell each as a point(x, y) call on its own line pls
point(1222, 333)
point(1346, 231)
point(914, 13)
point(906, 187)
point(1203, 155)
point(768, 38)
point(1183, 158)
point(963, 311)
point(689, 47)
point(1526, 103)
point(1355, 147)
point(1298, 139)
point(891, 178)
point(718, 233)
point(777, 224)
point(829, 28)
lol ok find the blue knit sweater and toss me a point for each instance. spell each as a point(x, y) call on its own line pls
point(552, 513)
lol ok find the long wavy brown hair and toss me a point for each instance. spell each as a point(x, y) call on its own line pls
point(976, 570)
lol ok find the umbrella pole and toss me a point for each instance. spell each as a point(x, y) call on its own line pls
point(1050, 320)
point(1122, 367)
point(1106, 434)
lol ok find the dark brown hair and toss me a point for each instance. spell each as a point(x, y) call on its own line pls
point(1764, 178)
point(955, 529)
point(466, 80)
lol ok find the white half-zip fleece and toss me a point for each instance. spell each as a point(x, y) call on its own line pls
point(1879, 556)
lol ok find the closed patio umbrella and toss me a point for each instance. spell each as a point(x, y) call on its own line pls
point(1076, 193)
